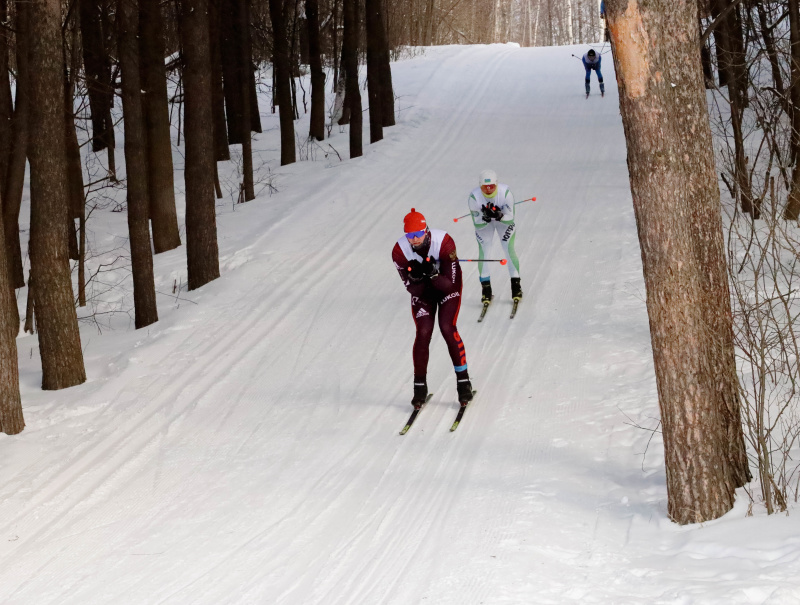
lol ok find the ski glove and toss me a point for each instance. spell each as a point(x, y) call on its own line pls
point(418, 271)
point(490, 211)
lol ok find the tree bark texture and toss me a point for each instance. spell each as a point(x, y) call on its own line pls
point(374, 23)
point(238, 77)
point(11, 418)
point(316, 128)
point(246, 62)
point(350, 65)
point(15, 173)
point(792, 210)
point(59, 339)
point(385, 69)
point(677, 207)
point(6, 103)
point(144, 290)
point(98, 73)
point(201, 226)
point(282, 92)
point(158, 147)
point(221, 150)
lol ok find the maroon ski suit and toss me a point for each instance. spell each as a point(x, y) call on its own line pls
point(442, 292)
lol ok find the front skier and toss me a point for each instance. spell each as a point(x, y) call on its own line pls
point(427, 262)
point(492, 208)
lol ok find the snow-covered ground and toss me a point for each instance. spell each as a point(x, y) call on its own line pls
point(245, 448)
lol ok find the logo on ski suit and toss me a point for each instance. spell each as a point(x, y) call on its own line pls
point(449, 296)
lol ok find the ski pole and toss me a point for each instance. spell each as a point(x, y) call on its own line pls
point(530, 199)
point(502, 261)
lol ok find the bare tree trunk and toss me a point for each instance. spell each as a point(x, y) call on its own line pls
point(676, 201)
point(11, 419)
point(282, 76)
point(98, 77)
point(15, 175)
point(792, 211)
point(221, 149)
point(384, 67)
point(373, 22)
point(201, 226)
point(350, 60)
point(6, 102)
point(157, 143)
point(144, 290)
point(246, 62)
point(59, 339)
point(316, 128)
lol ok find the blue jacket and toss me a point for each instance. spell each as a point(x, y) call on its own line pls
point(589, 64)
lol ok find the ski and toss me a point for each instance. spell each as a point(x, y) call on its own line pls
point(461, 411)
point(483, 311)
point(514, 308)
point(414, 415)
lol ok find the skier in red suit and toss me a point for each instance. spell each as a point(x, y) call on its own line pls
point(427, 262)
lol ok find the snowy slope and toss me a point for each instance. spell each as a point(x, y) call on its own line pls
point(244, 449)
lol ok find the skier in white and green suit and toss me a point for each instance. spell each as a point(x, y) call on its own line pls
point(491, 205)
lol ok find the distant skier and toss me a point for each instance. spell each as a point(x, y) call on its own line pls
point(591, 61)
point(492, 208)
point(427, 262)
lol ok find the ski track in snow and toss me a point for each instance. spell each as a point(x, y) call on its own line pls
point(245, 449)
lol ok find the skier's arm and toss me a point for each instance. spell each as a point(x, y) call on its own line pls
point(401, 264)
point(449, 278)
point(507, 206)
point(475, 211)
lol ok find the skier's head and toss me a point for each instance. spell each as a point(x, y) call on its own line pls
point(488, 181)
point(416, 229)
point(591, 54)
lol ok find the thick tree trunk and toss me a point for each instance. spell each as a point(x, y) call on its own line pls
point(316, 128)
point(59, 339)
point(385, 69)
point(6, 103)
point(350, 64)
point(374, 23)
point(282, 92)
point(98, 74)
point(158, 146)
point(15, 175)
point(144, 290)
point(11, 419)
point(201, 226)
point(677, 207)
point(221, 150)
point(245, 62)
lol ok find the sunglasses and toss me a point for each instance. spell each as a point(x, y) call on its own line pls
point(415, 234)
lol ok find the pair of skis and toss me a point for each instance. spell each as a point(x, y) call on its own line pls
point(416, 411)
point(489, 302)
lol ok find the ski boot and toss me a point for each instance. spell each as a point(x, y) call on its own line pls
point(602, 89)
point(464, 387)
point(420, 392)
point(516, 289)
point(486, 295)
point(588, 89)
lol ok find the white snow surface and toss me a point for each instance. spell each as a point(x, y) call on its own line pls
point(245, 448)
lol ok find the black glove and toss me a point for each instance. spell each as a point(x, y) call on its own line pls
point(490, 211)
point(417, 271)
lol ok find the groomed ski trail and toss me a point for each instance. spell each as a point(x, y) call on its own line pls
point(245, 449)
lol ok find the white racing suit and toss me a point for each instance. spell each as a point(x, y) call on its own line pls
point(505, 227)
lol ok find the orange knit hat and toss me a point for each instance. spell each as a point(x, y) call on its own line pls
point(414, 221)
